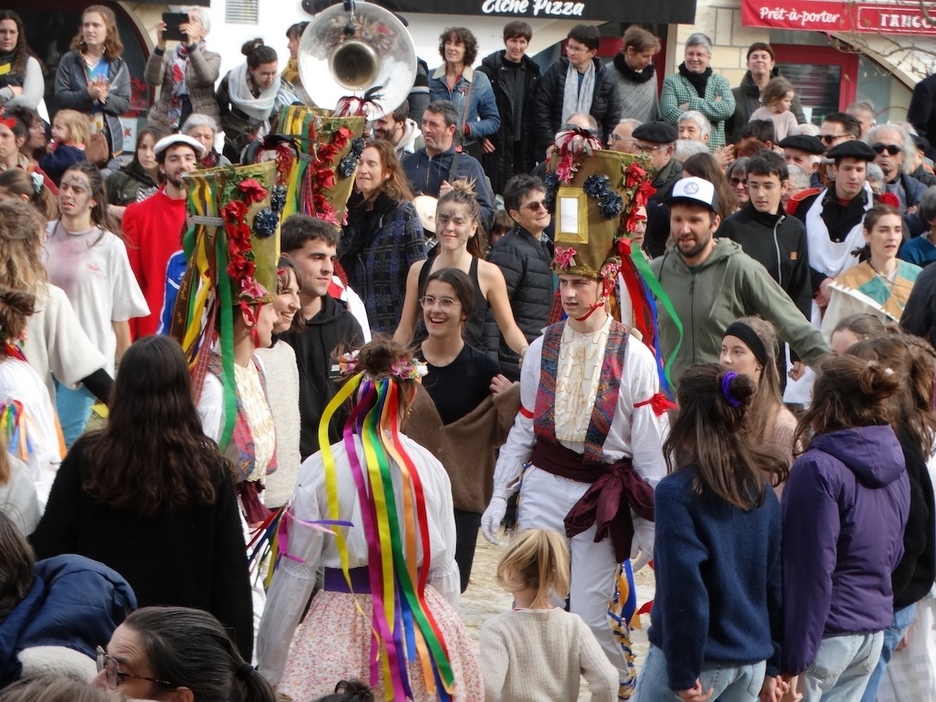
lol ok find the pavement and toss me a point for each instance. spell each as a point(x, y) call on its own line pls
point(484, 598)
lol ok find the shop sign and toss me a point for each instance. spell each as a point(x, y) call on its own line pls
point(868, 17)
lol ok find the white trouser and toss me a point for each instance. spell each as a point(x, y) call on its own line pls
point(545, 499)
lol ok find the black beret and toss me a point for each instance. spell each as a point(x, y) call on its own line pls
point(809, 144)
point(920, 142)
point(656, 133)
point(851, 149)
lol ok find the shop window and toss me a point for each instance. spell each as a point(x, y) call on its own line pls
point(824, 77)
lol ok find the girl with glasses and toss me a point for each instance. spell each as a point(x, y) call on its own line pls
point(472, 401)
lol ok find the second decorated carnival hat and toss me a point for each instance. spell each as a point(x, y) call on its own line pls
point(595, 195)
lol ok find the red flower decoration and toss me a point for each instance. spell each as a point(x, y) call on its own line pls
point(240, 268)
point(324, 179)
point(342, 137)
point(565, 257)
point(253, 191)
point(624, 247)
point(234, 211)
point(634, 175)
point(642, 196)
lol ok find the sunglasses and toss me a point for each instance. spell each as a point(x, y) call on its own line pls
point(892, 149)
point(830, 138)
point(115, 676)
point(535, 205)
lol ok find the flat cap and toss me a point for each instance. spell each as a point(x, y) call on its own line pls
point(656, 133)
point(809, 144)
point(851, 149)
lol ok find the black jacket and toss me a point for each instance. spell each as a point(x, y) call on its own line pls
point(658, 224)
point(333, 328)
point(606, 104)
point(747, 100)
point(913, 576)
point(501, 164)
point(919, 315)
point(525, 263)
point(922, 111)
point(779, 244)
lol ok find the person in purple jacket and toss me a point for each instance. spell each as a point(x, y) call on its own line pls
point(845, 509)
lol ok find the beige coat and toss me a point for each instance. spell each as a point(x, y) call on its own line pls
point(201, 73)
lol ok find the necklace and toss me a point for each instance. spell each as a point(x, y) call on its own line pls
point(888, 279)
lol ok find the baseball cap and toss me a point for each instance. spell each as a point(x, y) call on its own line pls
point(694, 191)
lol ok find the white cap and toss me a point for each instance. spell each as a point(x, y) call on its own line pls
point(173, 139)
point(694, 191)
point(426, 209)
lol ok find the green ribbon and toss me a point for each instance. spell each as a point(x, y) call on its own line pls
point(643, 267)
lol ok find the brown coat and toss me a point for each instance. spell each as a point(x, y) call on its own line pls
point(466, 447)
point(201, 73)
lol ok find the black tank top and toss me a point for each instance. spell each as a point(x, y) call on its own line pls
point(473, 333)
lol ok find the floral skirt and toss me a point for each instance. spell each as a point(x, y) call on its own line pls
point(334, 643)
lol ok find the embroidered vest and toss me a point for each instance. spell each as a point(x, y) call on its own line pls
point(544, 419)
point(241, 448)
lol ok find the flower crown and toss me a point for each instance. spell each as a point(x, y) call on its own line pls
point(401, 369)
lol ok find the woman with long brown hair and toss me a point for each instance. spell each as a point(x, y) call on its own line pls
point(93, 78)
point(705, 166)
point(715, 628)
point(150, 496)
point(462, 246)
point(21, 81)
point(749, 347)
point(383, 237)
point(17, 184)
point(845, 508)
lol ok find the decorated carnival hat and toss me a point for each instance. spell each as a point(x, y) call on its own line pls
point(316, 155)
point(596, 195)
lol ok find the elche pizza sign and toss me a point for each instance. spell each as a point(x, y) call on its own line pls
point(868, 17)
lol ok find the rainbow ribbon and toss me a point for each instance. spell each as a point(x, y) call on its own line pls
point(404, 628)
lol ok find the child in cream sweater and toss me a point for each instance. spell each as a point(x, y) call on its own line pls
point(536, 651)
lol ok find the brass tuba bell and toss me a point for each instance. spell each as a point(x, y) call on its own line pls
point(365, 50)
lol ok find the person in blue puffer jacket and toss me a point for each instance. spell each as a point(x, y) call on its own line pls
point(469, 90)
point(845, 509)
point(54, 612)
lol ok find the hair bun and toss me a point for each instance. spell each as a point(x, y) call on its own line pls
point(252, 45)
point(876, 381)
point(736, 389)
point(465, 186)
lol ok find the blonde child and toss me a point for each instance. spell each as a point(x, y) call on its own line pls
point(536, 651)
point(776, 97)
point(70, 136)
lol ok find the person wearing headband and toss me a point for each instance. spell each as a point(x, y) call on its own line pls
point(749, 347)
point(715, 626)
point(592, 412)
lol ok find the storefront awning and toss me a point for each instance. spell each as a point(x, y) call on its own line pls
point(658, 12)
point(865, 16)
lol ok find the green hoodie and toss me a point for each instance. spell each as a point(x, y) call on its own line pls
point(729, 284)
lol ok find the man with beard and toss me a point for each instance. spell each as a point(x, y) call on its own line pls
point(153, 228)
point(893, 150)
point(397, 128)
point(712, 282)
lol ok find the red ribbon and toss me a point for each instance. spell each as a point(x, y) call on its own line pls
point(659, 403)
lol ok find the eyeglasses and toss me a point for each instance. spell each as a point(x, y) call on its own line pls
point(735, 181)
point(892, 149)
point(648, 148)
point(576, 49)
point(115, 676)
point(830, 138)
point(535, 206)
point(446, 303)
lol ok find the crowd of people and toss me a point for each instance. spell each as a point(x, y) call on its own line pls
point(682, 327)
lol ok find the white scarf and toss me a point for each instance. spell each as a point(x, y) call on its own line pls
point(258, 108)
point(577, 99)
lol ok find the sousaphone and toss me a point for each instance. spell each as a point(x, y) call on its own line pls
point(366, 51)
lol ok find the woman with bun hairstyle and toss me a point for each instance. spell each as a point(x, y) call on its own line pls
point(845, 508)
point(349, 691)
point(749, 347)
point(387, 545)
point(716, 619)
point(462, 246)
point(248, 96)
point(914, 422)
point(17, 184)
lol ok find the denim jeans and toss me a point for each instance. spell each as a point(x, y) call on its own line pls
point(728, 684)
point(842, 668)
point(74, 410)
point(903, 618)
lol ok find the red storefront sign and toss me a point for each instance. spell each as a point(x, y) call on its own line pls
point(910, 17)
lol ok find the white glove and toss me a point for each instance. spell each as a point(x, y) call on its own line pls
point(643, 543)
point(492, 518)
